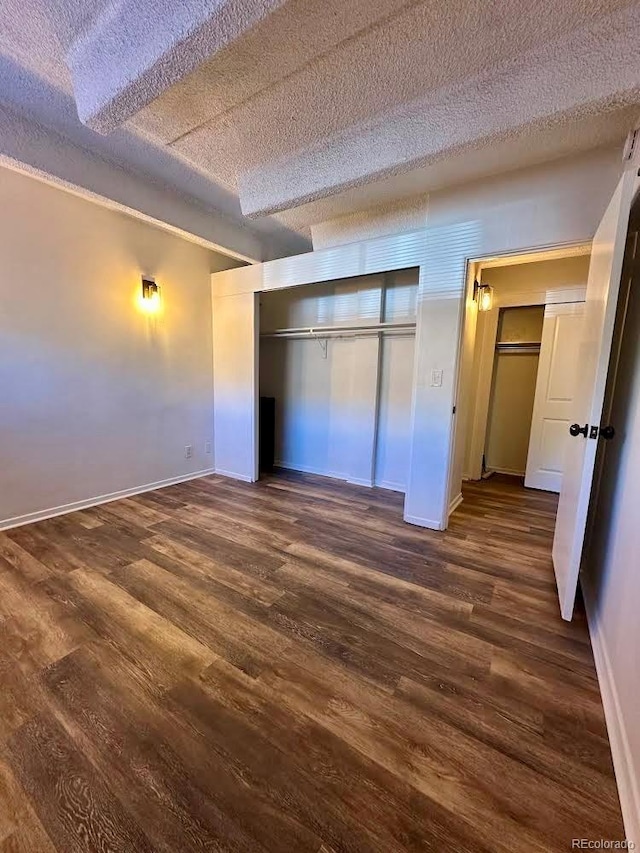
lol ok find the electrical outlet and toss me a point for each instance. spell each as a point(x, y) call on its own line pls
point(436, 378)
point(188, 451)
point(207, 447)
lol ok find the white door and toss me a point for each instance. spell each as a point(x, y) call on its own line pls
point(593, 360)
point(555, 389)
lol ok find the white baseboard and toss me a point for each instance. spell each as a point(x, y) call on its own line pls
point(423, 522)
point(391, 486)
point(360, 481)
point(455, 503)
point(509, 471)
point(334, 475)
point(620, 751)
point(290, 466)
point(244, 478)
point(52, 512)
point(308, 469)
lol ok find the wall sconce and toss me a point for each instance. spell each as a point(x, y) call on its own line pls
point(483, 295)
point(150, 296)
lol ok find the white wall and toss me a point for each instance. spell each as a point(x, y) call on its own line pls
point(405, 215)
point(557, 203)
point(611, 574)
point(325, 407)
point(95, 396)
point(235, 327)
point(335, 303)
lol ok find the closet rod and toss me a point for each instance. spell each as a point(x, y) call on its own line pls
point(326, 331)
point(517, 346)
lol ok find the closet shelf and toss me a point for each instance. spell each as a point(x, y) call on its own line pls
point(518, 346)
point(342, 331)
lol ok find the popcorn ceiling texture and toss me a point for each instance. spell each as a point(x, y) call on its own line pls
point(315, 110)
point(36, 85)
point(538, 145)
point(292, 101)
point(133, 51)
point(591, 71)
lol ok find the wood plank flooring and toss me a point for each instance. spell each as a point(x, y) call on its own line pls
point(287, 666)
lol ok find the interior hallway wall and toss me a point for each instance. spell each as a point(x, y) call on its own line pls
point(95, 396)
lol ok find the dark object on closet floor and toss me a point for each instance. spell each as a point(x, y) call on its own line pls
point(267, 433)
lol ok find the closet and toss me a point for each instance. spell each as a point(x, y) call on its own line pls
point(337, 359)
point(513, 388)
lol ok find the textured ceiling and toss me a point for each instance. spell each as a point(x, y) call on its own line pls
point(309, 104)
point(312, 110)
point(36, 83)
point(513, 151)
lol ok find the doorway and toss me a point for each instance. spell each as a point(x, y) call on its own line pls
point(585, 422)
point(518, 366)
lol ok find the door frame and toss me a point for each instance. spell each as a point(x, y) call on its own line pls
point(472, 408)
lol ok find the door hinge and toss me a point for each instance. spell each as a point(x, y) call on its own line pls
point(631, 146)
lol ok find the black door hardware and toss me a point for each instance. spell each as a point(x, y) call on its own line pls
point(594, 432)
point(576, 430)
point(607, 432)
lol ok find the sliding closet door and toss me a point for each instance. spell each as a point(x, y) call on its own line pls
point(394, 412)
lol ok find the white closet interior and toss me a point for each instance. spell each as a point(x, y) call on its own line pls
point(338, 359)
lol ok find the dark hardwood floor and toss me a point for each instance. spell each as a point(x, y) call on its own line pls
point(287, 666)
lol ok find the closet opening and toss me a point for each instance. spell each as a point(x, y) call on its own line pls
point(513, 387)
point(336, 376)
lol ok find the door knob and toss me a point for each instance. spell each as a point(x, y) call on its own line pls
point(576, 430)
point(607, 432)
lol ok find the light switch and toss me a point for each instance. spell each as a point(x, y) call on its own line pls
point(436, 378)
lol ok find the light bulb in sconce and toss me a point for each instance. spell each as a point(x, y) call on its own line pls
point(486, 298)
point(483, 294)
point(150, 300)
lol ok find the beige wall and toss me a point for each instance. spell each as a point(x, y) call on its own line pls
point(95, 396)
point(537, 277)
point(513, 391)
